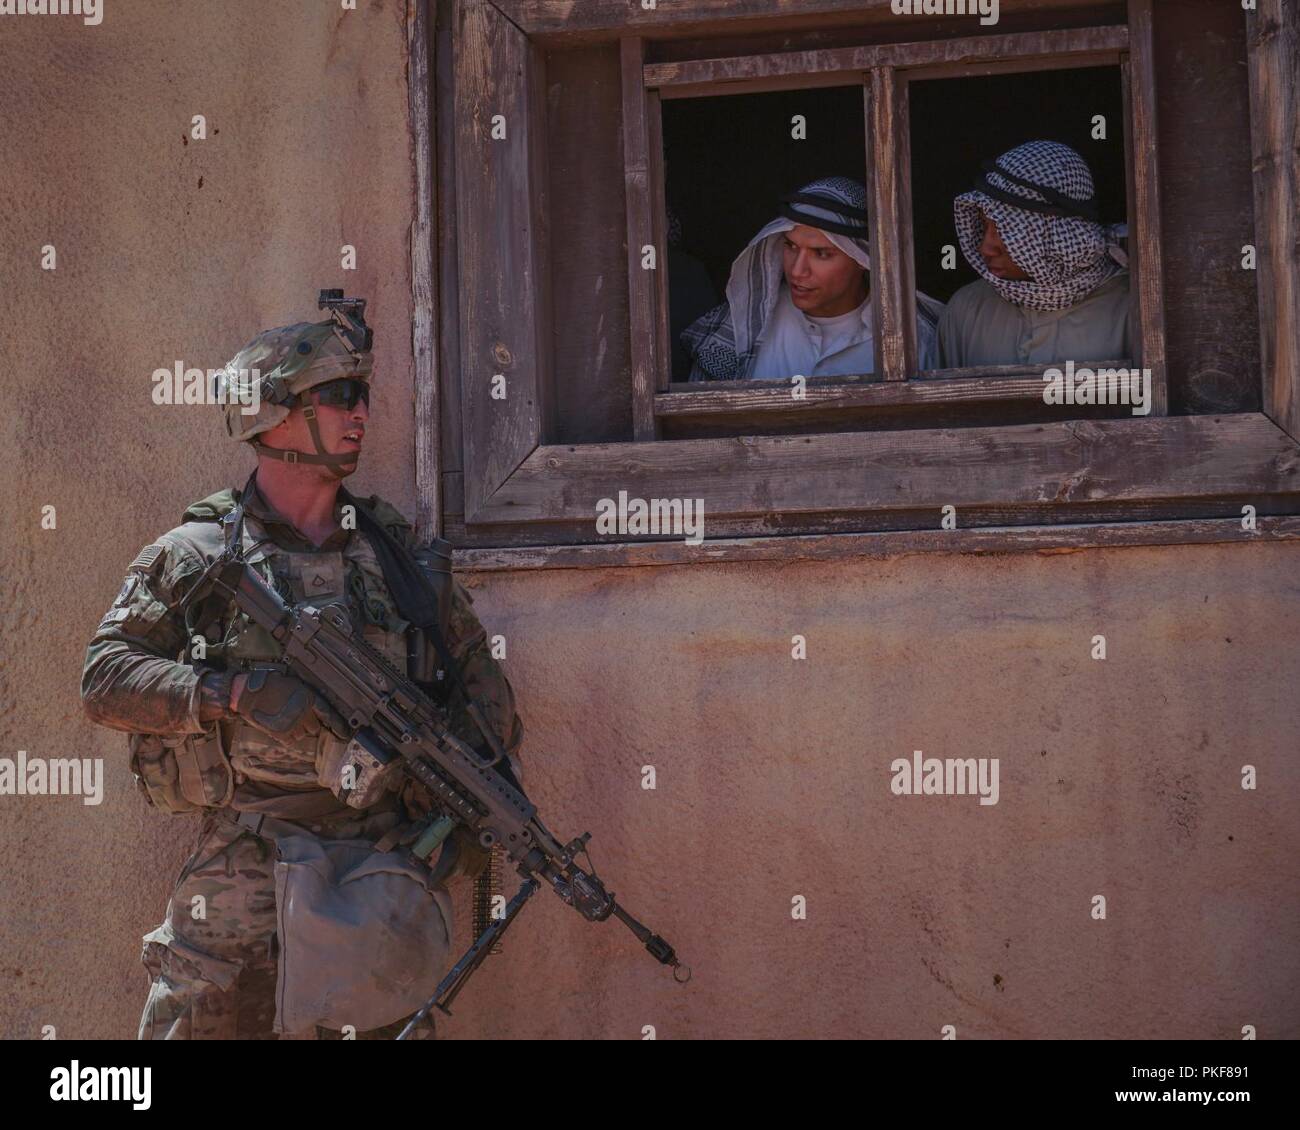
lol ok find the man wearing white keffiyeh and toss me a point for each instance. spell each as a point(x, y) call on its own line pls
point(797, 299)
point(1054, 283)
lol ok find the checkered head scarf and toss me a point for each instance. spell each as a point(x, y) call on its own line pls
point(1041, 197)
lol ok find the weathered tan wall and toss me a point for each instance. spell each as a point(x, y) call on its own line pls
point(1118, 777)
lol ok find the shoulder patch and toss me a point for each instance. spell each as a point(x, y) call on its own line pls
point(145, 559)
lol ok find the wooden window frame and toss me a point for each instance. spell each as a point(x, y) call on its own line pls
point(518, 489)
point(885, 73)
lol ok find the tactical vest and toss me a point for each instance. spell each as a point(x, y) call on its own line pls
point(235, 764)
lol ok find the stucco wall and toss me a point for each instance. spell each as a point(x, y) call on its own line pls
point(168, 249)
point(1118, 777)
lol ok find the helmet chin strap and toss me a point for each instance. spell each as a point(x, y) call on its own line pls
point(335, 463)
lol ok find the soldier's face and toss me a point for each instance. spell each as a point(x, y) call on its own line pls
point(342, 430)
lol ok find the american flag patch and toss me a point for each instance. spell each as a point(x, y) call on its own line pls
point(146, 557)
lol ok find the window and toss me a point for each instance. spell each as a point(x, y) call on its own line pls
point(887, 75)
point(727, 161)
point(1080, 107)
point(554, 121)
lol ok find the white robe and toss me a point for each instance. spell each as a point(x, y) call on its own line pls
point(980, 327)
point(797, 344)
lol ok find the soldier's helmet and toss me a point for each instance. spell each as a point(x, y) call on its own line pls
point(285, 362)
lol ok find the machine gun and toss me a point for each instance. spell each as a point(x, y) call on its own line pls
point(396, 727)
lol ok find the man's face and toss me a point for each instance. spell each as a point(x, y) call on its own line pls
point(823, 281)
point(342, 431)
point(995, 255)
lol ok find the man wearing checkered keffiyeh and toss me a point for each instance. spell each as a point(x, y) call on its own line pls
point(1054, 284)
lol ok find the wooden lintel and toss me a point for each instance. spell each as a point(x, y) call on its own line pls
point(581, 20)
point(845, 63)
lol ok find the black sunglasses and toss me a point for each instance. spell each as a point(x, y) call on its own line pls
point(344, 392)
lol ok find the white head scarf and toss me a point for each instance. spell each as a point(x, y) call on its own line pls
point(756, 274)
point(1040, 195)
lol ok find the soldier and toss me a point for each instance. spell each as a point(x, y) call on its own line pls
point(217, 725)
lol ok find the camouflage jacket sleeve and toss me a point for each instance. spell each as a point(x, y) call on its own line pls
point(132, 680)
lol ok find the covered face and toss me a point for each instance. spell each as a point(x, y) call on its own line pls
point(1040, 197)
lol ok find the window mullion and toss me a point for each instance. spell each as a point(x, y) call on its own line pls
point(1146, 271)
point(890, 210)
point(647, 305)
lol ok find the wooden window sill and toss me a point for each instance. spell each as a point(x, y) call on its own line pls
point(904, 543)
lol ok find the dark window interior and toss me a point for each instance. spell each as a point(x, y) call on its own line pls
point(957, 124)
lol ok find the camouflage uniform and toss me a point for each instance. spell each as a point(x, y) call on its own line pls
point(214, 976)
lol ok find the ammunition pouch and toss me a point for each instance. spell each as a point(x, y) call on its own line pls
point(423, 664)
point(185, 772)
point(357, 771)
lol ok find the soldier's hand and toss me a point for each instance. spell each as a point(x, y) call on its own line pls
point(285, 706)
